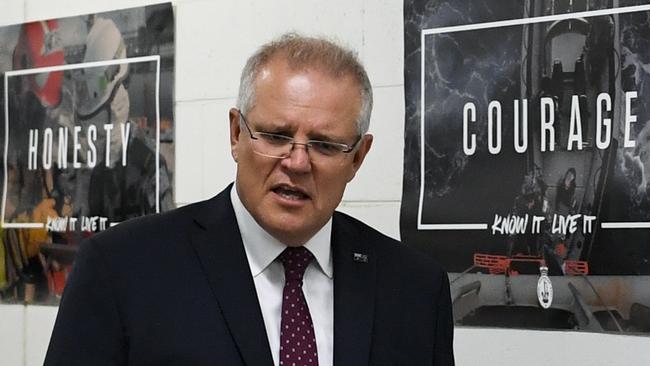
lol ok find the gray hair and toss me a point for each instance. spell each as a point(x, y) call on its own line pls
point(301, 52)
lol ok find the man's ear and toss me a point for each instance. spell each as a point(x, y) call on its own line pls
point(235, 129)
point(360, 154)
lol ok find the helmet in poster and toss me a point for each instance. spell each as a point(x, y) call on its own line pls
point(104, 43)
point(39, 45)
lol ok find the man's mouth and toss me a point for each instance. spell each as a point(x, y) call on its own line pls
point(290, 193)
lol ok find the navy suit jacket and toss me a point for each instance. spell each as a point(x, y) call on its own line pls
point(176, 289)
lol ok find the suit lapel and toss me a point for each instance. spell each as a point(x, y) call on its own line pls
point(354, 294)
point(218, 245)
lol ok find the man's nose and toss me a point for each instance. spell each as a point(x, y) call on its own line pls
point(298, 160)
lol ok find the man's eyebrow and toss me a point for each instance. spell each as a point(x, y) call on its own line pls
point(320, 136)
point(323, 137)
point(273, 126)
point(285, 128)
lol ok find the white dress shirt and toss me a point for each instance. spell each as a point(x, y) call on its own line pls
point(262, 251)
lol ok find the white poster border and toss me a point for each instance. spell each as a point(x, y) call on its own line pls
point(8, 74)
point(499, 24)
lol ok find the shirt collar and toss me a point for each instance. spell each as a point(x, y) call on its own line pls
point(262, 248)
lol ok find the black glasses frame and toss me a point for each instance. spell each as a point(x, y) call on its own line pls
point(308, 144)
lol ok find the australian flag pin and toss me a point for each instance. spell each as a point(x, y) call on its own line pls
point(360, 257)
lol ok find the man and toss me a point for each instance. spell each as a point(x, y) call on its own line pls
point(265, 273)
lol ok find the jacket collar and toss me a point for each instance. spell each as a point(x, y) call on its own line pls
point(218, 246)
point(355, 269)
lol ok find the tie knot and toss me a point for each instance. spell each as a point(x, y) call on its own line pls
point(295, 261)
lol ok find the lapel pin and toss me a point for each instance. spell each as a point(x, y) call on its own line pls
point(359, 257)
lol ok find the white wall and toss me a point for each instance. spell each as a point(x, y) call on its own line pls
point(213, 39)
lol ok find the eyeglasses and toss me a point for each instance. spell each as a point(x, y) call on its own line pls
point(278, 146)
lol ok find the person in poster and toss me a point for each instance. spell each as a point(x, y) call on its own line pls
point(37, 102)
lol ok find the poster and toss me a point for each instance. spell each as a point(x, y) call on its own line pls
point(87, 135)
point(527, 159)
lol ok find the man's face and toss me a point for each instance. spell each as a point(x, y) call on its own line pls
point(292, 198)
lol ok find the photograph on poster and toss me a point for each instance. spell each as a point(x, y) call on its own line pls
point(526, 162)
point(88, 138)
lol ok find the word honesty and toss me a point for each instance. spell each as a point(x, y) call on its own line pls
point(560, 224)
point(89, 142)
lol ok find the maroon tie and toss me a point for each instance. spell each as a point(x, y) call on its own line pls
point(297, 338)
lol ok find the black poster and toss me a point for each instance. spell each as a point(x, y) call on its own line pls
point(87, 132)
point(527, 141)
